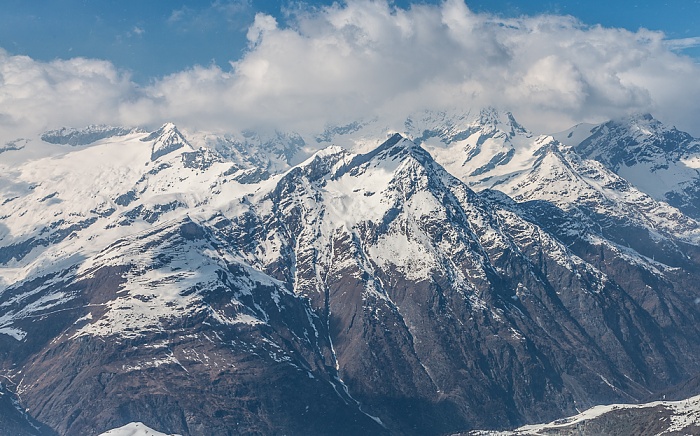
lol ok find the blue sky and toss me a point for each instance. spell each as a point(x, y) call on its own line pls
point(154, 38)
point(227, 65)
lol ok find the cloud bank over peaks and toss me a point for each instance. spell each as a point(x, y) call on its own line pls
point(39, 95)
point(366, 59)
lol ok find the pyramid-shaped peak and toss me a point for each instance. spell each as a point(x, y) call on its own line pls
point(166, 130)
point(393, 144)
point(166, 140)
point(396, 147)
point(393, 140)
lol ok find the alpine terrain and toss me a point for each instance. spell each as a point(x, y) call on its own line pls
point(453, 273)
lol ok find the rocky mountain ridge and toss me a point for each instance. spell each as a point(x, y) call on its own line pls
point(657, 418)
point(378, 289)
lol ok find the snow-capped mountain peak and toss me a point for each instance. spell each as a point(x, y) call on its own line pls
point(636, 139)
point(659, 160)
point(473, 273)
point(166, 140)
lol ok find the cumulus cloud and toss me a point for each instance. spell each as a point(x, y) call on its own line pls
point(367, 59)
point(41, 95)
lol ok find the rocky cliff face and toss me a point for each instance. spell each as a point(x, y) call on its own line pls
point(15, 420)
point(352, 293)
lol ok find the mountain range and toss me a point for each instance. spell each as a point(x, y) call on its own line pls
point(457, 272)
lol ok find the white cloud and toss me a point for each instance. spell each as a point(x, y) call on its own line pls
point(262, 24)
point(369, 58)
point(683, 43)
point(35, 96)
